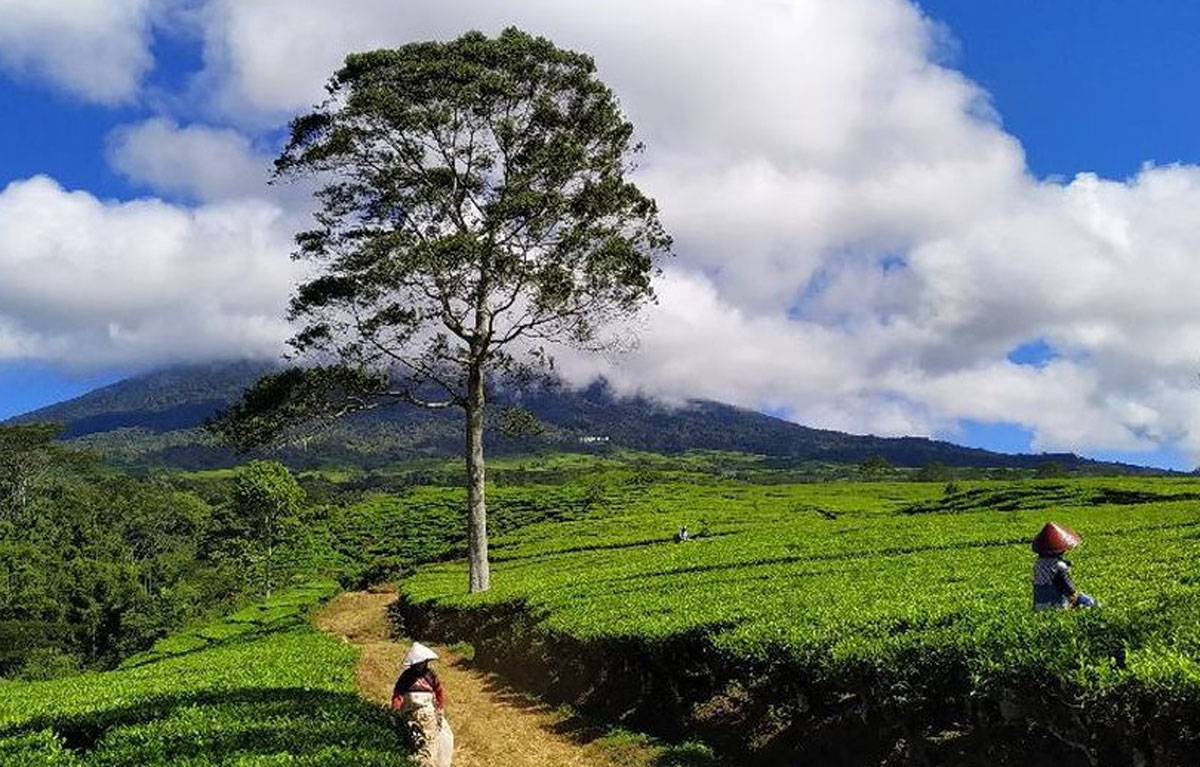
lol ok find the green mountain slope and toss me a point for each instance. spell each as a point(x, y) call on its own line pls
point(154, 418)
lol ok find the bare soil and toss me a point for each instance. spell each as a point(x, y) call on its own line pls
point(494, 725)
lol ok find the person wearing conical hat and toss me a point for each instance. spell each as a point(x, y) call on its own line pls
point(420, 700)
point(1053, 588)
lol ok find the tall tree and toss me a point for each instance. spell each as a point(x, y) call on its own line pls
point(29, 455)
point(267, 501)
point(474, 205)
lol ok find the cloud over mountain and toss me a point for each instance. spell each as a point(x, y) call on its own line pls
point(860, 243)
point(88, 282)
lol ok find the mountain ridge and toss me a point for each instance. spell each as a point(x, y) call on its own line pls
point(156, 417)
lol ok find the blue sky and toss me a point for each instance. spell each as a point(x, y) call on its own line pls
point(57, 135)
point(1101, 88)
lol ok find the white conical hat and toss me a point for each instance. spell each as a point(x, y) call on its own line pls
point(418, 653)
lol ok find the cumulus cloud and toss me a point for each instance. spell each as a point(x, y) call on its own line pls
point(1100, 271)
point(195, 161)
point(1103, 272)
point(96, 49)
point(833, 131)
point(94, 283)
point(860, 243)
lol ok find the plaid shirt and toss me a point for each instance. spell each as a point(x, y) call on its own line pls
point(1052, 584)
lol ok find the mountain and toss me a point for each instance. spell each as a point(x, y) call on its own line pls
point(156, 418)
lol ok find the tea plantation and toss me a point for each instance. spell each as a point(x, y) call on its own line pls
point(261, 687)
point(909, 603)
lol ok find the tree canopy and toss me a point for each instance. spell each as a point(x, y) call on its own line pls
point(475, 207)
point(30, 454)
point(475, 195)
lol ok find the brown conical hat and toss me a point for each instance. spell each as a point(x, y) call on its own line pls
point(1055, 539)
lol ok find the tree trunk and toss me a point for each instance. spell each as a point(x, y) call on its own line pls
point(270, 557)
point(477, 541)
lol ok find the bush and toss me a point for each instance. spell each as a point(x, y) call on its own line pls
point(286, 695)
point(48, 663)
point(911, 604)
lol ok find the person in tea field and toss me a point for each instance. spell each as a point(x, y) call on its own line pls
point(420, 700)
point(1053, 588)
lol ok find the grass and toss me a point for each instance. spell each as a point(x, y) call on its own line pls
point(899, 589)
point(286, 609)
point(262, 687)
point(634, 749)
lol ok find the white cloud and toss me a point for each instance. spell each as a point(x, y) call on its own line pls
point(778, 132)
point(97, 49)
point(196, 161)
point(1103, 271)
point(860, 242)
point(85, 282)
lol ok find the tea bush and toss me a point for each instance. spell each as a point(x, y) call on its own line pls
point(899, 593)
point(262, 687)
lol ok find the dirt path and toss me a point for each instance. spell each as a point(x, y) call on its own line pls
point(494, 726)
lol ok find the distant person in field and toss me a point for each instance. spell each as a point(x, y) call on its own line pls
point(420, 700)
point(1053, 588)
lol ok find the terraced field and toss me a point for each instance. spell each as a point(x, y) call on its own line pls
point(906, 603)
point(260, 688)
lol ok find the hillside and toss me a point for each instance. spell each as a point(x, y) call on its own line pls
point(852, 624)
point(259, 687)
point(155, 419)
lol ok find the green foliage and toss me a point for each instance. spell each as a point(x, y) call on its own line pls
point(279, 403)
point(97, 567)
point(635, 749)
point(282, 694)
point(875, 465)
point(1041, 494)
point(266, 491)
point(48, 663)
point(934, 471)
point(30, 455)
point(519, 422)
point(286, 609)
point(1050, 470)
point(386, 536)
point(475, 189)
point(868, 598)
point(263, 533)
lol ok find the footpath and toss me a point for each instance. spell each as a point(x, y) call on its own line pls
point(494, 725)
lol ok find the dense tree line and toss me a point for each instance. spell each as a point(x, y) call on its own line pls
point(96, 565)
